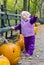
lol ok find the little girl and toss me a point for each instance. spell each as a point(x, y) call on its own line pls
point(27, 29)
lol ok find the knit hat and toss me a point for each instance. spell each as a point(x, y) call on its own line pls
point(25, 13)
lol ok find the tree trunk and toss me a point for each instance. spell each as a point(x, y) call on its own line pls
point(4, 3)
point(24, 5)
point(29, 5)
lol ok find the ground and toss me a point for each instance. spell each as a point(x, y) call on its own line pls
point(39, 50)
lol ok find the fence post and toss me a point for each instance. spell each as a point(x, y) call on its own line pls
point(16, 17)
point(15, 23)
point(2, 20)
point(5, 18)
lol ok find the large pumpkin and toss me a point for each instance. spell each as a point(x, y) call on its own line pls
point(4, 60)
point(35, 30)
point(12, 52)
point(20, 42)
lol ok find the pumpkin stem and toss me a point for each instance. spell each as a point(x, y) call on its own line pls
point(5, 40)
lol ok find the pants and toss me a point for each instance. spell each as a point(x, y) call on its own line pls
point(29, 44)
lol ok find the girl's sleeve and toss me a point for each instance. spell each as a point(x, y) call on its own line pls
point(17, 27)
point(33, 19)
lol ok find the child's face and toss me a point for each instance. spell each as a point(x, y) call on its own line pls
point(25, 17)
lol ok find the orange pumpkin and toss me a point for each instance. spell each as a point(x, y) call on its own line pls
point(12, 52)
point(20, 42)
point(0, 51)
point(37, 24)
point(35, 30)
point(4, 60)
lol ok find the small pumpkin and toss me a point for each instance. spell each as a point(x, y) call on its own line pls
point(4, 60)
point(0, 51)
point(20, 42)
point(12, 52)
point(35, 30)
point(37, 24)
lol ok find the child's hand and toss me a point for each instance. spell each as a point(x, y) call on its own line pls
point(12, 27)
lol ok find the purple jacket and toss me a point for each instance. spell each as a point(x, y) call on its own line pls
point(27, 27)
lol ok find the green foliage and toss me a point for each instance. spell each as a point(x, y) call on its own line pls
point(33, 6)
point(19, 5)
point(12, 5)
